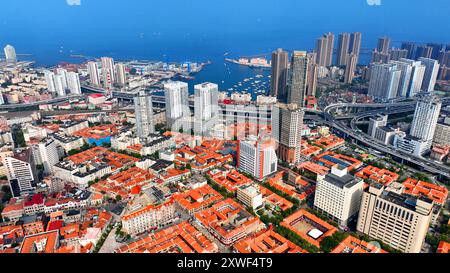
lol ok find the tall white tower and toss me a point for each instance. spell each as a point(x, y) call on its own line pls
point(205, 107)
point(10, 54)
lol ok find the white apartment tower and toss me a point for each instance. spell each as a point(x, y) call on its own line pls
point(417, 74)
point(121, 77)
point(73, 83)
point(10, 54)
point(205, 107)
point(21, 172)
point(93, 73)
point(108, 74)
point(48, 154)
point(384, 81)
point(425, 118)
point(176, 97)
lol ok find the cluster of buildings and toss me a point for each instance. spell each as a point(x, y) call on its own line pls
point(405, 72)
point(427, 133)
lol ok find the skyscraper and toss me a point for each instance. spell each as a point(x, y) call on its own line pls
point(287, 124)
point(121, 77)
point(384, 81)
point(383, 44)
point(143, 109)
point(206, 110)
point(312, 74)
point(343, 49)
point(423, 51)
point(396, 54)
point(330, 48)
point(93, 73)
point(379, 57)
point(297, 78)
point(355, 44)
point(278, 80)
point(321, 51)
point(350, 67)
point(431, 72)
point(50, 80)
point(60, 84)
point(108, 71)
point(324, 49)
point(425, 118)
point(436, 48)
point(405, 77)
point(73, 83)
point(10, 54)
point(417, 73)
point(411, 48)
point(176, 97)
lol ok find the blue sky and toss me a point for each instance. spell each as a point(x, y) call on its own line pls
point(157, 24)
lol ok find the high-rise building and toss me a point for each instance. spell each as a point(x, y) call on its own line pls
point(73, 83)
point(343, 49)
point(384, 81)
point(398, 220)
point(396, 54)
point(278, 79)
point(176, 97)
point(355, 44)
point(350, 67)
point(431, 73)
point(312, 74)
point(93, 73)
point(423, 51)
point(321, 51)
point(417, 73)
point(287, 124)
point(256, 156)
point(338, 195)
point(379, 57)
point(206, 111)
point(297, 78)
point(405, 77)
point(444, 58)
point(411, 48)
point(21, 172)
point(436, 49)
point(50, 80)
point(108, 74)
point(143, 109)
point(47, 153)
point(10, 54)
point(324, 49)
point(60, 84)
point(425, 118)
point(383, 44)
point(330, 48)
point(121, 76)
point(376, 122)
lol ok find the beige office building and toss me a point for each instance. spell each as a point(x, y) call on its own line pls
point(398, 220)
